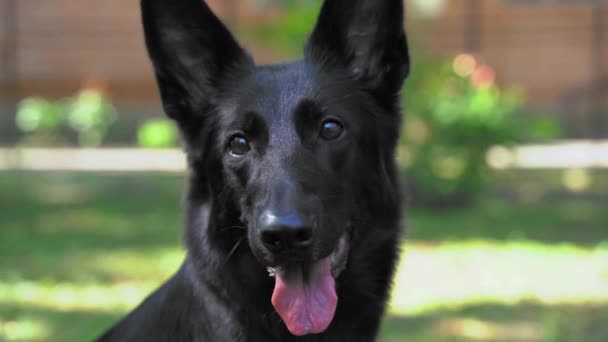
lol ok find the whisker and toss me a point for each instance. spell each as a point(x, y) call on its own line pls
point(233, 250)
point(233, 227)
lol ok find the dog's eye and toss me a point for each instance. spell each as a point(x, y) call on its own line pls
point(238, 146)
point(331, 129)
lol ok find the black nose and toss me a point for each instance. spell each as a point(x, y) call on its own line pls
point(284, 233)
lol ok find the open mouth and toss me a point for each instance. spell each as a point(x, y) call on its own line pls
point(305, 297)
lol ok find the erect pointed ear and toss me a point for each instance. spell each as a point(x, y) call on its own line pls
point(193, 55)
point(365, 36)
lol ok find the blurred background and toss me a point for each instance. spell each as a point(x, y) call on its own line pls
point(504, 156)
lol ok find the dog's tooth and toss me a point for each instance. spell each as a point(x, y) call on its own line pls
point(271, 272)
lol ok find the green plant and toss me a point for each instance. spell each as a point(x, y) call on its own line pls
point(285, 35)
point(90, 114)
point(40, 120)
point(45, 122)
point(454, 113)
point(157, 133)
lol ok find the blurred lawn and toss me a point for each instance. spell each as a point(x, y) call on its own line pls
point(77, 251)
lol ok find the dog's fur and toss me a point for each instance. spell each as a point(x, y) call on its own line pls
point(355, 62)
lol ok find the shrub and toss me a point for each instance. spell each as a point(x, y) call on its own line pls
point(454, 112)
point(157, 133)
point(40, 120)
point(284, 36)
point(89, 114)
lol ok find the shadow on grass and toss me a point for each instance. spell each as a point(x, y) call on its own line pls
point(48, 218)
point(497, 323)
point(573, 220)
point(523, 205)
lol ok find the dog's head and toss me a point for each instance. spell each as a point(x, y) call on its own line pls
point(296, 154)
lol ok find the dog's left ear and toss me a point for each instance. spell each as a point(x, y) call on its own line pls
point(365, 36)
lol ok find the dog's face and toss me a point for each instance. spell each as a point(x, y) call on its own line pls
point(289, 150)
point(292, 141)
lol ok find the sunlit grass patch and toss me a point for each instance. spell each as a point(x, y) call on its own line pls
point(23, 330)
point(113, 281)
point(125, 265)
point(456, 274)
point(118, 297)
point(480, 330)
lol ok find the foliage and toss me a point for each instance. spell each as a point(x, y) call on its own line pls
point(285, 35)
point(89, 114)
point(40, 119)
point(454, 113)
point(157, 133)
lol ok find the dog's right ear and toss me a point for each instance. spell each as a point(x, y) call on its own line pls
point(193, 54)
point(367, 38)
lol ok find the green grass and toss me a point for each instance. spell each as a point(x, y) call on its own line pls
point(77, 251)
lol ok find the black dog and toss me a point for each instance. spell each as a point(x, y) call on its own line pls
point(293, 209)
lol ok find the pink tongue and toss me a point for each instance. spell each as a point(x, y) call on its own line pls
point(307, 308)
